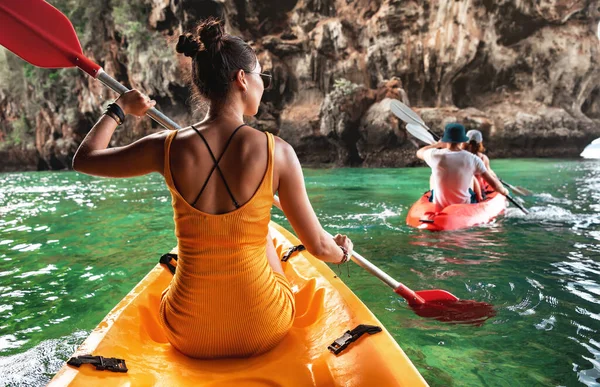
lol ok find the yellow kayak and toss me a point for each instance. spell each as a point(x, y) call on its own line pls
point(325, 310)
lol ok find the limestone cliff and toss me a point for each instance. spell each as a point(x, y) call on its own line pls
point(524, 72)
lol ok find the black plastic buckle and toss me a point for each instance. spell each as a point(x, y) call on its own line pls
point(166, 260)
point(101, 363)
point(291, 251)
point(350, 336)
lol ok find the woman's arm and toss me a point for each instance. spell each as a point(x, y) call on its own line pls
point(486, 162)
point(299, 211)
point(139, 158)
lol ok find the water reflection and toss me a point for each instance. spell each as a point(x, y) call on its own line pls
point(475, 247)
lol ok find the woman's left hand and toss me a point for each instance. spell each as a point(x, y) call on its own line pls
point(135, 103)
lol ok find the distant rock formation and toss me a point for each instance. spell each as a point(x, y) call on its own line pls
point(526, 73)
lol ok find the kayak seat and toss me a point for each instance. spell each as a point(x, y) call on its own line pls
point(313, 310)
point(149, 309)
point(149, 314)
point(309, 299)
point(322, 372)
point(430, 195)
point(304, 296)
point(309, 303)
point(278, 247)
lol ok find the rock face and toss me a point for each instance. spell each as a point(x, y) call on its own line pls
point(526, 73)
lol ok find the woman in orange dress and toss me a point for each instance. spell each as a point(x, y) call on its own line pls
point(229, 296)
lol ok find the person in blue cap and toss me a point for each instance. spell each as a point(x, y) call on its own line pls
point(453, 169)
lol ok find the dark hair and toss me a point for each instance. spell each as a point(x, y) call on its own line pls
point(474, 147)
point(215, 56)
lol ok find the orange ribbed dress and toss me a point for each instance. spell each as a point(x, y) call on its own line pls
point(224, 299)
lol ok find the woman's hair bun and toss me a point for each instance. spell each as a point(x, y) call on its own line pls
point(211, 32)
point(216, 55)
point(187, 45)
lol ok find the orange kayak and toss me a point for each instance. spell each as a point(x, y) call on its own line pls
point(422, 214)
point(325, 309)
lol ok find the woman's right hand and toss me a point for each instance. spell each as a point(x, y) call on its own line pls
point(345, 242)
point(135, 103)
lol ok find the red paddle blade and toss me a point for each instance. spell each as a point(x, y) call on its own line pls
point(41, 35)
point(445, 306)
point(456, 312)
point(436, 295)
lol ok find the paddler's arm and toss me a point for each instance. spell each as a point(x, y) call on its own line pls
point(498, 187)
point(486, 162)
point(298, 210)
point(139, 158)
point(421, 152)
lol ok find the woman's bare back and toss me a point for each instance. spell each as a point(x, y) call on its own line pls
point(243, 165)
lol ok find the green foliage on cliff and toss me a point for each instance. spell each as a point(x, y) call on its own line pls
point(12, 80)
point(130, 22)
point(22, 132)
point(96, 22)
point(344, 86)
point(15, 78)
point(129, 18)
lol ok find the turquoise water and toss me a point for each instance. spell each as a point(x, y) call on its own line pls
point(71, 246)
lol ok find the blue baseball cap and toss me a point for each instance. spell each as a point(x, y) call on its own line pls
point(455, 132)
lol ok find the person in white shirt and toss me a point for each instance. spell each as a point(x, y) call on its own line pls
point(453, 169)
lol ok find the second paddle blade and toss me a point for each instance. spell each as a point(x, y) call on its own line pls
point(522, 191)
point(405, 113)
point(420, 133)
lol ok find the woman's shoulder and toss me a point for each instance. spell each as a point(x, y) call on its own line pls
point(181, 139)
point(181, 133)
point(281, 146)
point(282, 143)
point(160, 135)
point(283, 150)
point(154, 140)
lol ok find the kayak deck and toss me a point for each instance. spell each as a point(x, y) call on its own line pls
point(422, 214)
point(325, 309)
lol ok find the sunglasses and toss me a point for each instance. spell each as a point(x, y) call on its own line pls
point(267, 79)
